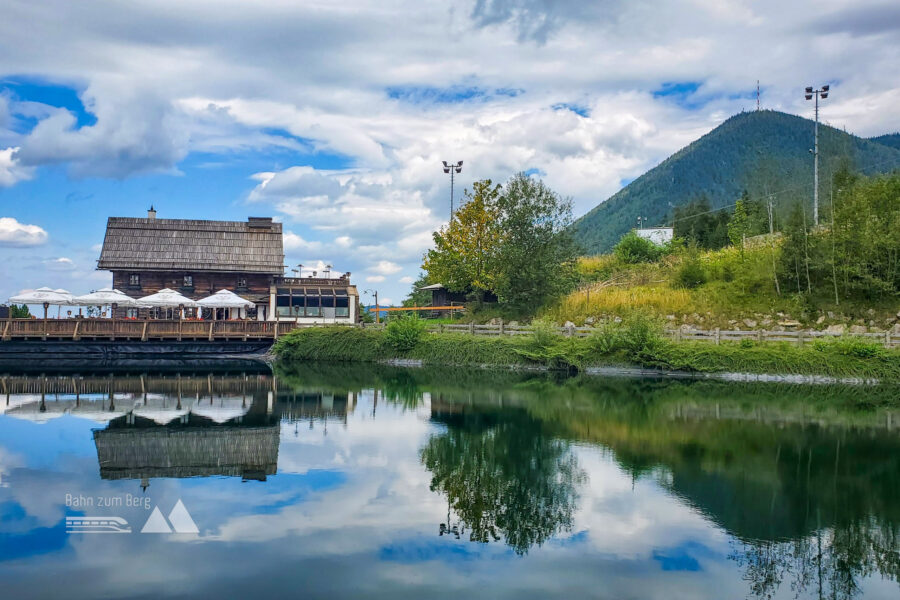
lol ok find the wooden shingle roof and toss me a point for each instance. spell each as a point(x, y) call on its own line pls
point(253, 246)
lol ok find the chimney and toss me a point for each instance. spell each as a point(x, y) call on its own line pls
point(151, 214)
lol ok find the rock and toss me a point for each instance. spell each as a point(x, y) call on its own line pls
point(858, 329)
point(820, 320)
point(617, 320)
point(778, 328)
point(589, 321)
point(836, 329)
point(494, 321)
point(686, 327)
point(871, 324)
point(831, 315)
point(789, 323)
point(871, 312)
point(670, 317)
point(766, 322)
point(780, 314)
point(895, 330)
point(695, 317)
point(751, 323)
point(513, 323)
point(731, 321)
point(568, 324)
point(898, 314)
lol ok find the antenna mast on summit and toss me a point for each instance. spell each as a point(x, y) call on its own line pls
point(757, 95)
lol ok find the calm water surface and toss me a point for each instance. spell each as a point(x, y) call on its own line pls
point(348, 482)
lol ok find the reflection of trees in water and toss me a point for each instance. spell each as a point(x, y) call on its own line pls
point(827, 564)
point(505, 480)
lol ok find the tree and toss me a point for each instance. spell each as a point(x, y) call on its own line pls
point(739, 225)
point(417, 296)
point(464, 257)
point(697, 221)
point(19, 312)
point(537, 253)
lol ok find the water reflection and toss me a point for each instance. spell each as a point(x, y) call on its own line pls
point(648, 487)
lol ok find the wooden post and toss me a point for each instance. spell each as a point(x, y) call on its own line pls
point(275, 329)
point(6, 330)
point(887, 339)
point(717, 336)
point(472, 328)
point(211, 325)
point(441, 328)
point(179, 329)
point(678, 334)
point(75, 333)
point(244, 327)
point(501, 327)
point(759, 335)
point(800, 338)
point(144, 332)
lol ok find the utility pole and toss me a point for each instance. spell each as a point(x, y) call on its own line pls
point(810, 92)
point(453, 170)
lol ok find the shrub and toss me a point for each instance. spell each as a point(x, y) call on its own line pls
point(641, 332)
point(404, 332)
point(544, 333)
point(747, 343)
point(606, 339)
point(691, 273)
point(850, 346)
point(633, 249)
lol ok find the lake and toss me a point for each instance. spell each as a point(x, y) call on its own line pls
point(349, 482)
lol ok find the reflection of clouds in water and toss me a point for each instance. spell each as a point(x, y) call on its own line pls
point(356, 501)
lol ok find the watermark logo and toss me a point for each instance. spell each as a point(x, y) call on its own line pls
point(179, 519)
point(97, 525)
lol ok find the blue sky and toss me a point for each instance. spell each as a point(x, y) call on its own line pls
point(335, 120)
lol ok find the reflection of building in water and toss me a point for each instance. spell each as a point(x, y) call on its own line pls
point(177, 426)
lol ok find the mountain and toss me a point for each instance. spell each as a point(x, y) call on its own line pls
point(890, 139)
point(764, 152)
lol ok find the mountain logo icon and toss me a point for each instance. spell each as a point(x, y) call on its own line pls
point(180, 520)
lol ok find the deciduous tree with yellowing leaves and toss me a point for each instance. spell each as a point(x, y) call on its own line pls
point(464, 257)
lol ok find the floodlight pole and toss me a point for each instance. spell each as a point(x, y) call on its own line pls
point(453, 169)
point(810, 92)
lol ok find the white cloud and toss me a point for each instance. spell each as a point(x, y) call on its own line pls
point(375, 278)
point(407, 279)
point(11, 171)
point(59, 264)
point(293, 242)
point(13, 233)
point(385, 267)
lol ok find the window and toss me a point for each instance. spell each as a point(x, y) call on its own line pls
point(327, 299)
point(242, 282)
point(283, 302)
point(312, 302)
point(188, 281)
point(297, 302)
point(341, 304)
point(134, 280)
point(131, 313)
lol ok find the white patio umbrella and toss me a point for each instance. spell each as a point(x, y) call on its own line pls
point(105, 297)
point(43, 296)
point(224, 299)
point(167, 298)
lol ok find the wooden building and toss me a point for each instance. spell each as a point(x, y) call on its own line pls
point(198, 258)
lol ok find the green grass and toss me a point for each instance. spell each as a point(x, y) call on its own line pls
point(636, 342)
point(736, 286)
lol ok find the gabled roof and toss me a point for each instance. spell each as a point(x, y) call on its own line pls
point(253, 246)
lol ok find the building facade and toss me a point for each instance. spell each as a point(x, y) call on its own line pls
point(198, 258)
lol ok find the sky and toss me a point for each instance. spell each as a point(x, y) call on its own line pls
point(334, 117)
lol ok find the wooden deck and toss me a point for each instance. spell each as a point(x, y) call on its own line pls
point(144, 330)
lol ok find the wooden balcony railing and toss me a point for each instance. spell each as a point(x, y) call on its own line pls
point(134, 330)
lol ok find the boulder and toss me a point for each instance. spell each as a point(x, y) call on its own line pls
point(568, 324)
point(858, 329)
point(831, 315)
point(820, 320)
point(670, 317)
point(896, 329)
point(766, 322)
point(513, 323)
point(751, 323)
point(589, 321)
point(836, 329)
point(789, 323)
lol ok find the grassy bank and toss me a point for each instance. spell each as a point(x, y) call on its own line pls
point(636, 342)
point(719, 288)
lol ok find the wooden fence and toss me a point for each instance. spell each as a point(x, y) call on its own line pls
point(134, 330)
point(715, 336)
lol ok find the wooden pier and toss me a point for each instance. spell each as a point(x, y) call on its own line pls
point(140, 330)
